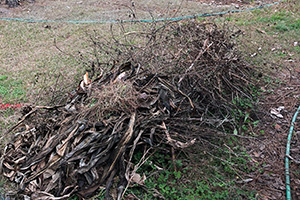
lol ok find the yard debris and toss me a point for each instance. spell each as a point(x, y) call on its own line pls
point(261, 31)
point(172, 91)
point(14, 3)
point(276, 111)
point(245, 180)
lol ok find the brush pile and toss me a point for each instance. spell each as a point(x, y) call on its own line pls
point(170, 87)
point(14, 3)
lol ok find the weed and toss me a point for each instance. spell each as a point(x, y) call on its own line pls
point(244, 107)
point(229, 19)
point(297, 49)
point(3, 77)
point(280, 54)
point(11, 90)
point(282, 21)
point(280, 27)
point(182, 184)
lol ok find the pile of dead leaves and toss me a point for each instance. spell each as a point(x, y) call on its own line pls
point(180, 81)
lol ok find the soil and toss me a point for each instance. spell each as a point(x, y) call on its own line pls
point(270, 149)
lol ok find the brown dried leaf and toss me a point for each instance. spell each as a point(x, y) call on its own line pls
point(136, 178)
point(131, 197)
point(18, 143)
point(53, 182)
point(256, 154)
point(33, 167)
point(10, 174)
point(41, 195)
point(86, 78)
point(48, 173)
point(277, 127)
point(32, 186)
point(261, 31)
point(20, 160)
point(175, 143)
point(8, 166)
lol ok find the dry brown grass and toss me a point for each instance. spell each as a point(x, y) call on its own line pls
point(101, 10)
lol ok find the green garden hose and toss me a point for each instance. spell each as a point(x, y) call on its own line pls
point(141, 20)
point(287, 155)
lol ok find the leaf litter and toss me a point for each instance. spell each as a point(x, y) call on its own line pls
point(172, 88)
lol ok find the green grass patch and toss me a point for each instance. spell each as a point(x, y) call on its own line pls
point(212, 181)
point(11, 90)
point(281, 21)
point(268, 36)
point(186, 182)
point(279, 16)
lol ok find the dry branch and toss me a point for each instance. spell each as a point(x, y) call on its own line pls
point(183, 76)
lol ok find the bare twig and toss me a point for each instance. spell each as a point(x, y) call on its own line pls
point(206, 47)
point(175, 143)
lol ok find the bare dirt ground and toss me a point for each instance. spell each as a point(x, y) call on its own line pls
point(271, 147)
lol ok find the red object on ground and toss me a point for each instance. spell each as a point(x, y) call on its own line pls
point(14, 106)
